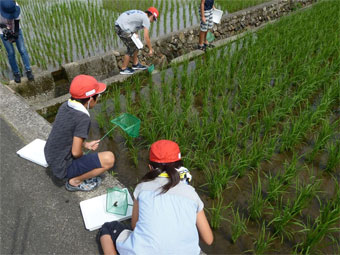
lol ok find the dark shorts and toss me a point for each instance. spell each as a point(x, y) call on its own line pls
point(83, 165)
point(126, 38)
point(113, 228)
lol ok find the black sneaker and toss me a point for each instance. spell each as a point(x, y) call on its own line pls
point(139, 66)
point(202, 47)
point(17, 77)
point(30, 75)
point(127, 71)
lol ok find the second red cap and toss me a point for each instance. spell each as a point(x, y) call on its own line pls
point(85, 86)
point(164, 151)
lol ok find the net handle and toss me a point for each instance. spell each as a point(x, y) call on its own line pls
point(102, 138)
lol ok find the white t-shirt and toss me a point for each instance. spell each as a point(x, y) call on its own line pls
point(133, 20)
point(166, 222)
point(8, 22)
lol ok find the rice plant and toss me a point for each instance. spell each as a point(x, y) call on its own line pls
point(257, 201)
point(216, 212)
point(263, 241)
point(238, 225)
point(324, 225)
point(284, 214)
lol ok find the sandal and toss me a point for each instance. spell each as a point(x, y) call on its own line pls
point(96, 179)
point(81, 187)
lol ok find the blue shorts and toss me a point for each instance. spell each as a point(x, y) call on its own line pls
point(83, 165)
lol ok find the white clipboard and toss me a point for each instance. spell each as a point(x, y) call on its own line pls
point(217, 15)
point(137, 41)
point(95, 215)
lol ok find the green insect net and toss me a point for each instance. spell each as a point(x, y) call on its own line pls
point(129, 123)
point(210, 37)
point(117, 201)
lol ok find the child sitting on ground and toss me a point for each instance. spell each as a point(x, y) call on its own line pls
point(167, 215)
point(63, 149)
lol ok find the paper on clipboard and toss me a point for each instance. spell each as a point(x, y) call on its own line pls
point(217, 15)
point(137, 41)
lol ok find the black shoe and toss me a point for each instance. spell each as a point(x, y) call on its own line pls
point(139, 66)
point(30, 75)
point(17, 77)
point(202, 47)
point(209, 45)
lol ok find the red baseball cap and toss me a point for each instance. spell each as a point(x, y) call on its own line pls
point(154, 12)
point(85, 86)
point(164, 151)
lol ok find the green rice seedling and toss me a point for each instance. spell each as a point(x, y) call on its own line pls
point(321, 139)
point(257, 201)
point(278, 184)
point(133, 149)
point(238, 225)
point(216, 212)
point(116, 101)
point(333, 161)
point(263, 241)
point(324, 225)
point(285, 214)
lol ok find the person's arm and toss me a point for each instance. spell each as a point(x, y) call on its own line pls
point(78, 143)
point(147, 40)
point(134, 217)
point(203, 227)
point(202, 11)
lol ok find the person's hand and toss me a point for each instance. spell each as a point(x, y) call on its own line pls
point(15, 36)
point(204, 20)
point(150, 52)
point(93, 145)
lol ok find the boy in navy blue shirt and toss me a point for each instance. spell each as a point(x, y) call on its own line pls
point(63, 149)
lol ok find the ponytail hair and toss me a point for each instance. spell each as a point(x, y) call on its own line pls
point(169, 168)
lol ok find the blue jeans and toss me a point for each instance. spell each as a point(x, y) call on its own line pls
point(11, 53)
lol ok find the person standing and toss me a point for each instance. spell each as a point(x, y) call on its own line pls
point(10, 33)
point(63, 149)
point(167, 215)
point(206, 15)
point(126, 25)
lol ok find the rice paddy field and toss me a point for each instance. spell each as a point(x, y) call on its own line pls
point(258, 124)
point(62, 31)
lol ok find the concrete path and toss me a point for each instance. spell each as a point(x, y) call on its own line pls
point(37, 214)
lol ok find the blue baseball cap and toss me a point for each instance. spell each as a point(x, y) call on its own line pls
point(9, 9)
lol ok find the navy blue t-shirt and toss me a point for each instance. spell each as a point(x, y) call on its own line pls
point(58, 149)
point(208, 4)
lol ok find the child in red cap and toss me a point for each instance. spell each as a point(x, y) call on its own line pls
point(127, 24)
point(63, 149)
point(167, 216)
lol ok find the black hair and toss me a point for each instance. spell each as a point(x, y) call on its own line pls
point(84, 100)
point(148, 13)
point(169, 168)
